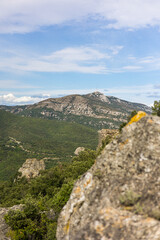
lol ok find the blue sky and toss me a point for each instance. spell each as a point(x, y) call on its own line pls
point(52, 48)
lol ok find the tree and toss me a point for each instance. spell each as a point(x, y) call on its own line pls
point(156, 108)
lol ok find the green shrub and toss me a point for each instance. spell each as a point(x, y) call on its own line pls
point(129, 198)
point(29, 223)
point(51, 190)
point(156, 108)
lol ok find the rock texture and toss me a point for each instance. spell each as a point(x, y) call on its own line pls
point(4, 228)
point(103, 133)
point(31, 168)
point(119, 197)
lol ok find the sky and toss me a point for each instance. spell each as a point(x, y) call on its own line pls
point(53, 48)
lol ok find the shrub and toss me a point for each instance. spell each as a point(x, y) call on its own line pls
point(129, 198)
point(156, 108)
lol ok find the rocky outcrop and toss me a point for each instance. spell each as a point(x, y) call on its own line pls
point(119, 197)
point(4, 228)
point(78, 150)
point(31, 168)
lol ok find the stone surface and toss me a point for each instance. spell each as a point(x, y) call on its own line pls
point(78, 150)
point(119, 197)
point(103, 133)
point(4, 228)
point(31, 168)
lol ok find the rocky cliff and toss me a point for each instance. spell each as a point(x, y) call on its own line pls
point(119, 197)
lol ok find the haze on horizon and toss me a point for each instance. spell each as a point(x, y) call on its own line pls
point(53, 48)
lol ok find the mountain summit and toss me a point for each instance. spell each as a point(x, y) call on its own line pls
point(99, 96)
point(94, 109)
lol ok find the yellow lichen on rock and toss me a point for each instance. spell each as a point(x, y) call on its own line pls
point(137, 117)
point(66, 228)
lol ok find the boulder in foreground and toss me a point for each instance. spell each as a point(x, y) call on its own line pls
point(119, 197)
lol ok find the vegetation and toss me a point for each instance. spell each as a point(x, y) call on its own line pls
point(106, 141)
point(43, 197)
point(91, 122)
point(49, 191)
point(22, 138)
point(129, 198)
point(156, 108)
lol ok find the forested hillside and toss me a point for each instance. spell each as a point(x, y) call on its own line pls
point(22, 138)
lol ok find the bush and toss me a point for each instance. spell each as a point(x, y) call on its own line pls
point(29, 223)
point(129, 198)
point(51, 190)
point(156, 108)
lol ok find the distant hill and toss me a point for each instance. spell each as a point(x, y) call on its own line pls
point(22, 138)
point(95, 110)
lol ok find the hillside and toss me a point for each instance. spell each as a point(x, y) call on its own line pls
point(95, 110)
point(22, 138)
point(117, 198)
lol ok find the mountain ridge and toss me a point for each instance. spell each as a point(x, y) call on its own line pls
point(94, 109)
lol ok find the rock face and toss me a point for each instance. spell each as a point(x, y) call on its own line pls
point(4, 228)
point(119, 197)
point(31, 168)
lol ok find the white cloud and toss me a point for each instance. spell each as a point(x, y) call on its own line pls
point(13, 84)
point(92, 59)
point(77, 54)
point(149, 59)
point(11, 99)
point(27, 15)
point(139, 93)
point(81, 59)
point(132, 67)
point(116, 49)
point(7, 83)
point(137, 89)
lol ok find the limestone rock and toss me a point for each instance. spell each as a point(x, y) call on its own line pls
point(32, 167)
point(4, 228)
point(78, 150)
point(103, 133)
point(119, 197)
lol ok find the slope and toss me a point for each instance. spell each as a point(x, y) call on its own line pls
point(22, 137)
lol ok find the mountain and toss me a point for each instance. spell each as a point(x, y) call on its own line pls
point(95, 109)
point(53, 141)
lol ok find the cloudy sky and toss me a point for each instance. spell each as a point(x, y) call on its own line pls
point(52, 48)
